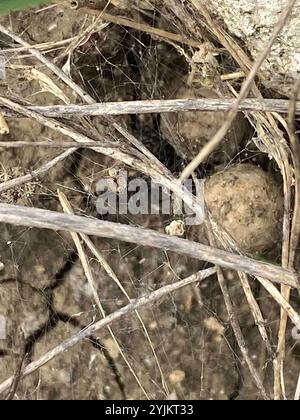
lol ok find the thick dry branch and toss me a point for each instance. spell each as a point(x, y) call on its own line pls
point(45, 219)
point(130, 308)
point(157, 106)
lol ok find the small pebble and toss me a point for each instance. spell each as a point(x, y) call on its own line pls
point(177, 376)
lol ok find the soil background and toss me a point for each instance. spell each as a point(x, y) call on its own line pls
point(44, 295)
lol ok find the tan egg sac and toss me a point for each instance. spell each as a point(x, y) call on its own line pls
point(188, 132)
point(248, 204)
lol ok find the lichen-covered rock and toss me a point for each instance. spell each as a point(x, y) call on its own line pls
point(248, 205)
point(253, 21)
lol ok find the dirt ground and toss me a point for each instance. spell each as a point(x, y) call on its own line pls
point(44, 294)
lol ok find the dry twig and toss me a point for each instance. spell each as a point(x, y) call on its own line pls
point(280, 106)
point(32, 217)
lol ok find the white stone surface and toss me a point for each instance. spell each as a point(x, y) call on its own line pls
point(253, 21)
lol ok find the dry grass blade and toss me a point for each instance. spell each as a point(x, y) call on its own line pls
point(68, 209)
point(144, 301)
point(113, 276)
point(235, 323)
point(89, 275)
point(43, 46)
point(87, 98)
point(33, 217)
point(256, 312)
point(293, 243)
point(239, 335)
point(159, 33)
point(283, 303)
point(52, 144)
point(295, 146)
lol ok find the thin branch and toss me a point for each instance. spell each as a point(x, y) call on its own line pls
point(246, 87)
point(36, 174)
point(280, 106)
point(136, 304)
point(45, 219)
